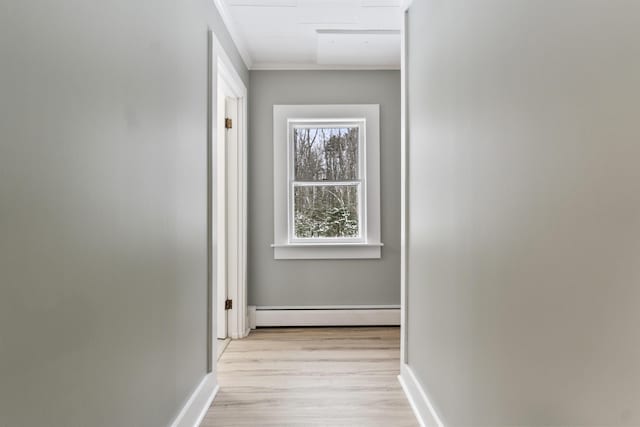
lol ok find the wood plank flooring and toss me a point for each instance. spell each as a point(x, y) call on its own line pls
point(222, 346)
point(311, 377)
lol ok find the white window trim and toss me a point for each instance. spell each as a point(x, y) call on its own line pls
point(369, 245)
point(361, 181)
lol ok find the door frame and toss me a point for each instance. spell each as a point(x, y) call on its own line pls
point(222, 71)
point(404, 184)
point(224, 141)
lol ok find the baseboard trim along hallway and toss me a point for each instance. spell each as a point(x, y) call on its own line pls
point(327, 316)
point(196, 407)
point(418, 399)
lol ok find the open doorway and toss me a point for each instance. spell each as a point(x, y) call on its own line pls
point(226, 141)
point(228, 210)
point(227, 184)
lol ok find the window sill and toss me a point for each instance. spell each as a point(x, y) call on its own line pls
point(327, 250)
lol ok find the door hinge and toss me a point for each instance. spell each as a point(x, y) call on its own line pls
point(228, 123)
point(228, 304)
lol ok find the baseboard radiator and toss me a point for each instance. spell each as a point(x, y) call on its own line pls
point(324, 316)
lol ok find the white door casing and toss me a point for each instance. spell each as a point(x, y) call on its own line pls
point(221, 212)
point(234, 100)
point(223, 74)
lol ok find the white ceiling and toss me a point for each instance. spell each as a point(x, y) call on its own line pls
point(315, 34)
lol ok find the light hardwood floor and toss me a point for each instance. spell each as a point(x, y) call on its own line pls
point(222, 346)
point(311, 377)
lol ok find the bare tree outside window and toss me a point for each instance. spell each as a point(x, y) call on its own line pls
point(326, 186)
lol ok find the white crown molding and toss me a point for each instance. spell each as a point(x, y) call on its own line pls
point(235, 34)
point(275, 66)
point(361, 32)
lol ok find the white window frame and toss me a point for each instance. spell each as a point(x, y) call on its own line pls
point(367, 118)
point(361, 181)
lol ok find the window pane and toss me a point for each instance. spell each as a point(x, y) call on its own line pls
point(326, 211)
point(326, 154)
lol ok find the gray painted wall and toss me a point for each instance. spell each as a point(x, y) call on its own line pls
point(321, 282)
point(102, 209)
point(524, 238)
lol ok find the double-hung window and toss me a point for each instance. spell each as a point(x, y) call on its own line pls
point(326, 176)
point(326, 185)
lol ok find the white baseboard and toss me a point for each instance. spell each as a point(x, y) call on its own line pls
point(325, 307)
point(418, 399)
point(311, 316)
point(196, 407)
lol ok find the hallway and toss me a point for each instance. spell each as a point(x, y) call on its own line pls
point(311, 376)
